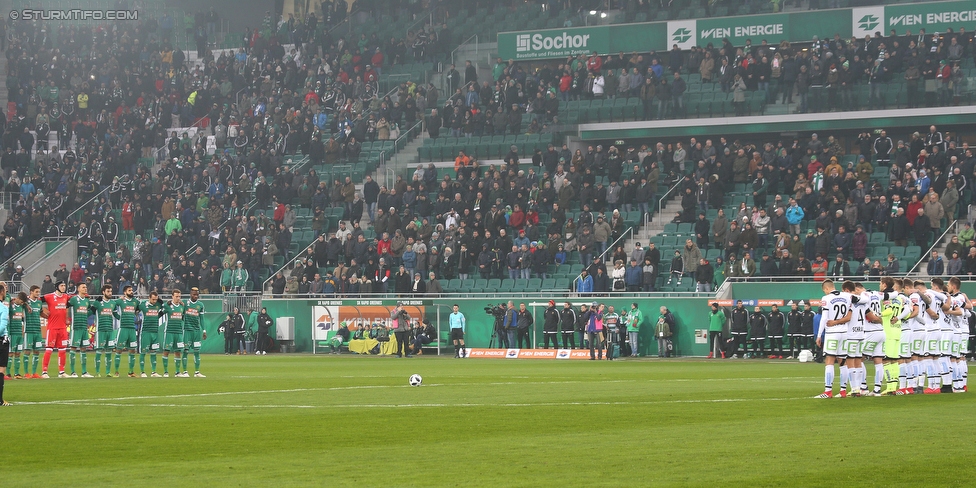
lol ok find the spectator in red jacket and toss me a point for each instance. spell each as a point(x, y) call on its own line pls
point(77, 274)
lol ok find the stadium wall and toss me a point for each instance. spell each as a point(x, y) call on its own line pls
point(690, 313)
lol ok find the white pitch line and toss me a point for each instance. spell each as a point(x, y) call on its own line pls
point(84, 401)
point(429, 405)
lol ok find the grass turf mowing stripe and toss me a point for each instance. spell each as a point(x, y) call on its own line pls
point(303, 420)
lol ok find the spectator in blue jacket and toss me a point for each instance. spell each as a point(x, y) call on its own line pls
point(584, 283)
point(633, 277)
point(510, 323)
point(794, 215)
point(936, 265)
point(842, 241)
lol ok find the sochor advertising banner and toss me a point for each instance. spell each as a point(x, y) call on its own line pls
point(790, 26)
point(554, 43)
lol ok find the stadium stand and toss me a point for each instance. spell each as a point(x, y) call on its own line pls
point(245, 128)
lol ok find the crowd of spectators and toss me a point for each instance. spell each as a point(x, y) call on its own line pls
point(115, 95)
point(801, 183)
point(821, 75)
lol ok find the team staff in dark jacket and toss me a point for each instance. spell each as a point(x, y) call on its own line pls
point(550, 326)
point(794, 321)
point(806, 328)
point(264, 326)
point(524, 324)
point(238, 331)
point(739, 327)
point(757, 332)
point(568, 319)
point(777, 323)
point(227, 328)
point(582, 319)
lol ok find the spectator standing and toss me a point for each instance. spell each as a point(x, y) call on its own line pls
point(664, 332)
point(716, 323)
point(634, 320)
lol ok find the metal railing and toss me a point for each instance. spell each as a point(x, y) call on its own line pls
point(76, 214)
point(468, 40)
point(405, 138)
point(661, 201)
point(938, 242)
point(237, 96)
point(302, 254)
point(609, 250)
point(19, 256)
point(8, 198)
point(246, 210)
point(63, 242)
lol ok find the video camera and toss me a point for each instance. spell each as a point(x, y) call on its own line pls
point(495, 310)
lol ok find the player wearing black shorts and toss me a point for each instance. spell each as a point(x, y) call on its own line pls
point(458, 325)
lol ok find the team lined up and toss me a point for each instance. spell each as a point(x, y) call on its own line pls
point(916, 336)
point(174, 326)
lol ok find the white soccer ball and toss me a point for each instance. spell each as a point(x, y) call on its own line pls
point(416, 380)
point(805, 356)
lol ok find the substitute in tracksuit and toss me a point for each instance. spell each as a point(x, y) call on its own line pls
point(568, 318)
point(777, 325)
point(757, 332)
point(550, 326)
point(739, 327)
point(794, 328)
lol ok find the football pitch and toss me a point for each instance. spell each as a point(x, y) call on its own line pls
point(349, 420)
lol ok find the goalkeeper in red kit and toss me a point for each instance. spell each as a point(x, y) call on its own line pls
point(56, 311)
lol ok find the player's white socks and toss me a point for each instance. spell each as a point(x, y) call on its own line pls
point(845, 376)
point(945, 370)
point(902, 376)
point(963, 372)
point(914, 371)
point(932, 374)
point(863, 375)
point(878, 377)
point(829, 377)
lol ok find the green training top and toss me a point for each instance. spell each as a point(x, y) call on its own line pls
point(127, 312)
point(105, 310)
point(150, 315)
point(194, 314)
point(80, 306)
point(16, 325)
point(174, 317)
point(33, 317)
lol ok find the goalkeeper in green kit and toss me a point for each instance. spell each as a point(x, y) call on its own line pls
point(105, 315)
point(193, 332)
point(126, 340)
point(151, 310)
point(892, 309)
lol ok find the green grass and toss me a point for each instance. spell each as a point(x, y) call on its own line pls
point(345, 420)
